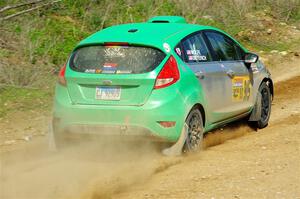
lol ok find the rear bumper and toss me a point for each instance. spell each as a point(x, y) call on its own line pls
point(99, 131)
point(141, 121)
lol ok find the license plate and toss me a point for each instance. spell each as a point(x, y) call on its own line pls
point(108, 93)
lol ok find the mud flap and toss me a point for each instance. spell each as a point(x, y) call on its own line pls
point(51, 140)
point(256, 112)
point(176, 149)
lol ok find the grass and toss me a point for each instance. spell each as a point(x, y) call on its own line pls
point(14, 99)
point(44, 38)
point(268, 46)
point(52, 33)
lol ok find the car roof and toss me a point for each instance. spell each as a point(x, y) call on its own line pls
point(151, 34)
point(154, 32)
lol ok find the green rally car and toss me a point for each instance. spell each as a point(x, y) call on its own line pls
point(154, 78)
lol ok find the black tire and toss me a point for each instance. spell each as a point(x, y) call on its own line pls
point(195, 131)
point(266, 101)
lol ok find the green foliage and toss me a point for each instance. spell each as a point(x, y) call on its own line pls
point(56, 37)
point(4, 53)
point(54, 32)
point(43, 38)
point(18, 29)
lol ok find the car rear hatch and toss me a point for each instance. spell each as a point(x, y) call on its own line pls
point(112, 74)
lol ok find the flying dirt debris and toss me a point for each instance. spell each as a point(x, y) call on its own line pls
point(152, 79)
point(257, 163)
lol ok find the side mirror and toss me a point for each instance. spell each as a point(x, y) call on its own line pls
point(251, 58)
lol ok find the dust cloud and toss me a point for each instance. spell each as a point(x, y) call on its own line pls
point(90, 169)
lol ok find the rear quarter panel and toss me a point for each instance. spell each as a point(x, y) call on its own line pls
point(189, 88)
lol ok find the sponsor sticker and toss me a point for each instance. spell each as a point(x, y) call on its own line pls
point(197, 58)
point(109, 71)
point(167, 47)
point(178, 51)
point(109, 65)
point(193, 52)
point(241, 88)
point(98, 70)
point(89, 71)
point(109, 68)
point(124, 72)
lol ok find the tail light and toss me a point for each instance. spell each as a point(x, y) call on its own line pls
point(116, 44)
point(168, 75)
point(61, 76)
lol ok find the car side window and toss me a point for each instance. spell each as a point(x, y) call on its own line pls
point(224, 47)
point(240, 52)
point(195, 49)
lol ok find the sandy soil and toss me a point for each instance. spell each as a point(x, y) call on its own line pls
point(263, 164)
point(256, 164)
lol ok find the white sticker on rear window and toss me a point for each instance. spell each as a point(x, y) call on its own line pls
point(167, 47)
point(89, 71)
point(114, 51)
point(109, 70)
point(124, 71)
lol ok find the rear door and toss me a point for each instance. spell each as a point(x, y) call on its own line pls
point(237, 82)
point(112, 74)
point(209, 73)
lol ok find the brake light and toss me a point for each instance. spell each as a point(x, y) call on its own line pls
point(168, 75)
point(61, 76)
point(116, 44)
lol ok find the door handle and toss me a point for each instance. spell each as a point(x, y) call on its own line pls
point(230, 74)
point(200, 75)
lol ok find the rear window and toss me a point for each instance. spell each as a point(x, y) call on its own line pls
point(116, 59)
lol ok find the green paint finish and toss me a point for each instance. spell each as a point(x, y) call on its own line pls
point(167, 19)
point(147, 34)
point(140, 104)
point(162, 105)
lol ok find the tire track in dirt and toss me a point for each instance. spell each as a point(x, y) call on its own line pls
point(263, 164)
point(285, 111)
point(118, 170)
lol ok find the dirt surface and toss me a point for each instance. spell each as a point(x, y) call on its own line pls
point(263, 164)
point(256, 164)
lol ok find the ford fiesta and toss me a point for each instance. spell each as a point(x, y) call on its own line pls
point(160, 79)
